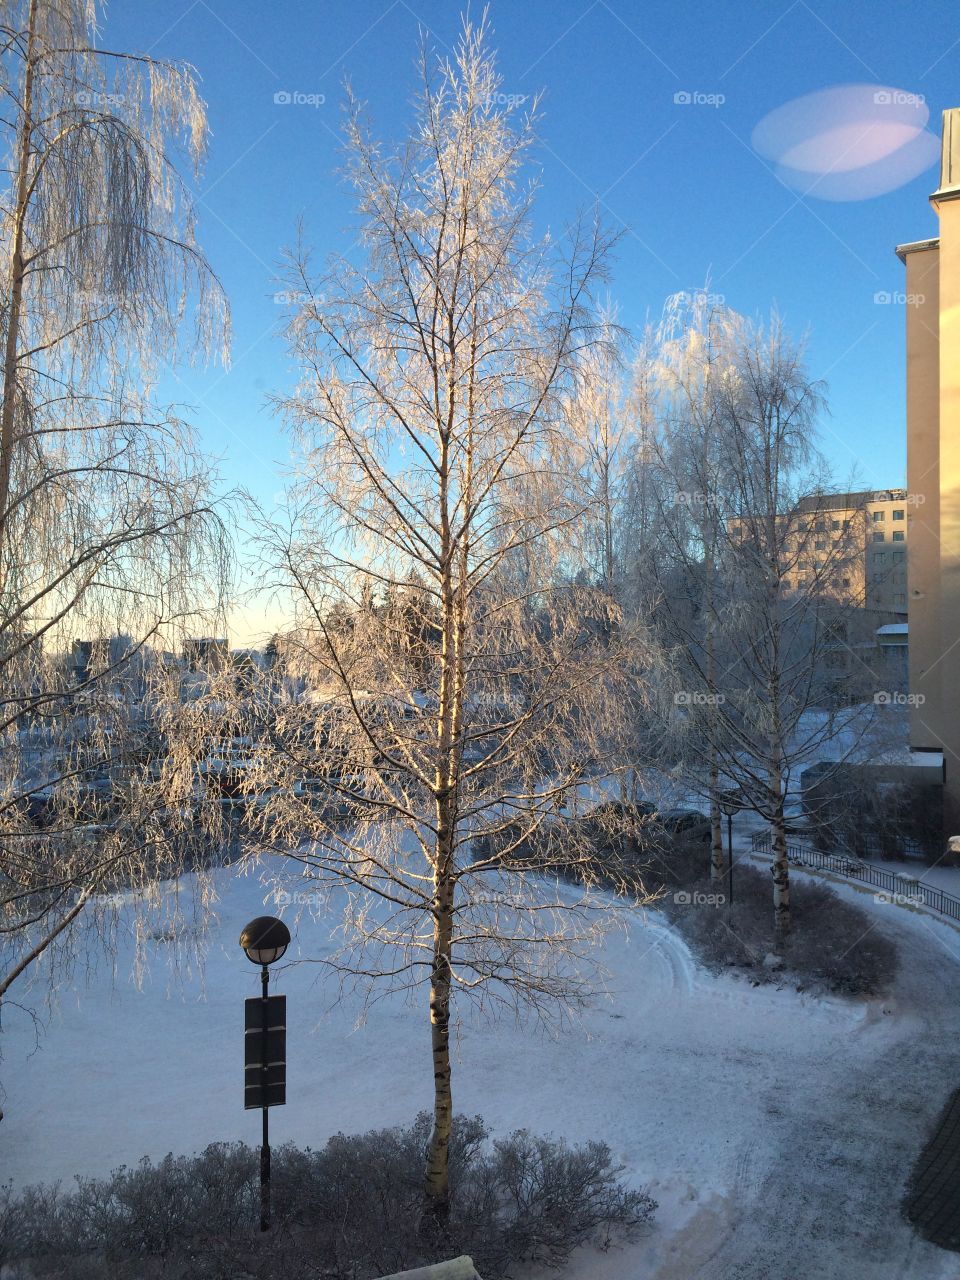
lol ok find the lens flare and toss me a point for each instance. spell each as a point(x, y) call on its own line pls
point(850, 142)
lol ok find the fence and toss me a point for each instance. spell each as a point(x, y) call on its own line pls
point(904, 889)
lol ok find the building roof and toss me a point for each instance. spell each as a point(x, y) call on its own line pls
point(893, 629)
point(848, 501)
point(915, 246)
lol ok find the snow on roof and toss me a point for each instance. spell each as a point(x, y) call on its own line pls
point(893, 629)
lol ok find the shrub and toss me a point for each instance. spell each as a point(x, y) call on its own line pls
point(348, 1212)
point(834, 944)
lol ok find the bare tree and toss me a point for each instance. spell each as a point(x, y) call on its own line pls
point(760, 595)
point(681, 480)
point(461, 677)
point(599, 425)
point(110, 546)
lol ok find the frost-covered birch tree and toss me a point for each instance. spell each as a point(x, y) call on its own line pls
point(109, 542)
point(755, 595)
point(463, 677)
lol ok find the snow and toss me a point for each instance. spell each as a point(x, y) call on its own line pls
point(774, 1128)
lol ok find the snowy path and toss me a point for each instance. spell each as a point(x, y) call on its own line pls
point(775, 1129)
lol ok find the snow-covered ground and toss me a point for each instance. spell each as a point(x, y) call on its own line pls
point(775, 1129)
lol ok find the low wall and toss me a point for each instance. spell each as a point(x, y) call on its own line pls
point(456, 1269)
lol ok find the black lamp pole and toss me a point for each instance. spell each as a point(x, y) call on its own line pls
point(730, 854)
point(731, 802)
point(265, 1143)
point(264, 940)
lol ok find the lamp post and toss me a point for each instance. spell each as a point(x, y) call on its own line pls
point(264, 941)
point(730, 803)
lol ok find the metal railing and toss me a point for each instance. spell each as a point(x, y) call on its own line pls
point(903, 889)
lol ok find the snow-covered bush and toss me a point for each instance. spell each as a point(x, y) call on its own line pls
point(833, 944)
point(349, 1212)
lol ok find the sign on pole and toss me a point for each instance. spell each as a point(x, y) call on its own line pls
point(265, 1088)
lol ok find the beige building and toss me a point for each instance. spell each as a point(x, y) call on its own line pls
point(932, 295)
point(873, 574)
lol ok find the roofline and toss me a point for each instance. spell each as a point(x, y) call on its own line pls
point(916, 246)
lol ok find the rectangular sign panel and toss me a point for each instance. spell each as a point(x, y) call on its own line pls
point(265, 1056)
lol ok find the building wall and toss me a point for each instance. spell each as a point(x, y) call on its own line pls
point(948, 662)
point(922, 263)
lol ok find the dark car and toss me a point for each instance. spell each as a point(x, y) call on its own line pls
point(687, 824)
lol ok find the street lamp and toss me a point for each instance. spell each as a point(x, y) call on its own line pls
point(730, 803)
point(264, 941)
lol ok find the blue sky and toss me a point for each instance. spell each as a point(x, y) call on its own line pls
point(681, 179)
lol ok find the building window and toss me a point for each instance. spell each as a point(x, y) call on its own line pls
point(878, 516)
point(835, 660)
point(834, 525)
point(819, 546)
point(878, 537)
point(846, 582)
point(879, 557)
point(898, 535)
point(898, 557)
point(819, 526)
point(900, 599)
point(898, 515)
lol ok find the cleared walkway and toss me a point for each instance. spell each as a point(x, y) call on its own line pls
point(933, 1195)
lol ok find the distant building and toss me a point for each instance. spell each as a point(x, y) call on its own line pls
point(206, 653)
point(877, 579)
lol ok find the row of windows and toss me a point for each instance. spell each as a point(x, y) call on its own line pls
point(880, 536)
point(880, 516)
point(880, 557)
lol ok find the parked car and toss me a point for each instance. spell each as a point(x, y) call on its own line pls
point(687, 824)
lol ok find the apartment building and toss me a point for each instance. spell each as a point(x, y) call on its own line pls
point(932, 297)
point(874, 522)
